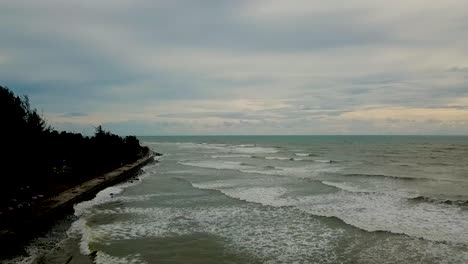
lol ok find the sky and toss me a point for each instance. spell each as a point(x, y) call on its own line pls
point(257, 67)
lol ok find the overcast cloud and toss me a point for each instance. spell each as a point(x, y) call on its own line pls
point(240, 67)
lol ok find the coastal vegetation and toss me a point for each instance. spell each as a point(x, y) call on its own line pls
point(37, 161)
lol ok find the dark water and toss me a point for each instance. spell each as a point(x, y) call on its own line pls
point(290, 199)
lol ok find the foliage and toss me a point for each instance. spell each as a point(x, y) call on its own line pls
point(33, 156)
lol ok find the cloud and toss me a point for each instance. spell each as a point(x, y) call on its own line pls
point(248, 67)
point(407, 114)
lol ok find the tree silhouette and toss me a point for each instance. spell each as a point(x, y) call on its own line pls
point(38, 161)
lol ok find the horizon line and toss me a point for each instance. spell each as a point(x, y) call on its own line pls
point(302, 135)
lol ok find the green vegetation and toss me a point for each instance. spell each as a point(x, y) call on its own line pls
point(37, 161)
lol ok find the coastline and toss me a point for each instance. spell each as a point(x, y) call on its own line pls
point(44, 213)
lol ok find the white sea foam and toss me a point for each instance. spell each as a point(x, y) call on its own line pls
point(227, 149)
point(267, 171)
point(373, 212)
point(277, 228)
point(324, 161)
point(302, 154)
point(368, 211)
point(295, 159)
point(103, 196)
point(343, 186)
point(42, 245)
point(216, 185)
point(109, 194)
point(242, 190)
point(131, 230)
point(246, 145)
point(309, 171)
point(253, 229)
point(243, 148)
point(265, 196)
point(277, 158)
point(253, 150)
point(358, 187)
point(260, 231)
point(80, 229)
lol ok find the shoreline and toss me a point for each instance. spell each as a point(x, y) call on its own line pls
point(46, 212)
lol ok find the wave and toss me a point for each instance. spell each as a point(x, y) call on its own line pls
point(382, 212)
point(102, 197)
point(205, 146)
point(109, 194)
point(344, 186)
point(422, 198)
point(404, 178)
point(309, 238)
point(263, 195)
point(341, 186)
point(219, 149)
point(372, 212)
point(326, 161)
point(214, 185)
point(80, 228)
point(246, 145)
point(385, 176)
point(103, 258)
point(335, 218)
point(218, 165)
point(253, 150)
point(436, 163)
point(301, 159)
point(305, 172)
point(306, 154)
point(232, 156)
point(278, 158)
point(269, 170)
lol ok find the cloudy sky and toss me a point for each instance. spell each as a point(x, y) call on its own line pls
point(240, 67)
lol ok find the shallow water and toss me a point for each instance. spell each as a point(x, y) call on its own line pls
point(282, 200)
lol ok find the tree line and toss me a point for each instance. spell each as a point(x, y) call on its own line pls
point(38, 161)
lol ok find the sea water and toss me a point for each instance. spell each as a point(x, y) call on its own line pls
point(282, 199)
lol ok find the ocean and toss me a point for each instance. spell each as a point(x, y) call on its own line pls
point(278, 199)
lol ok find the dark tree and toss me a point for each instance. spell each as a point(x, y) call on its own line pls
point(38, 161)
